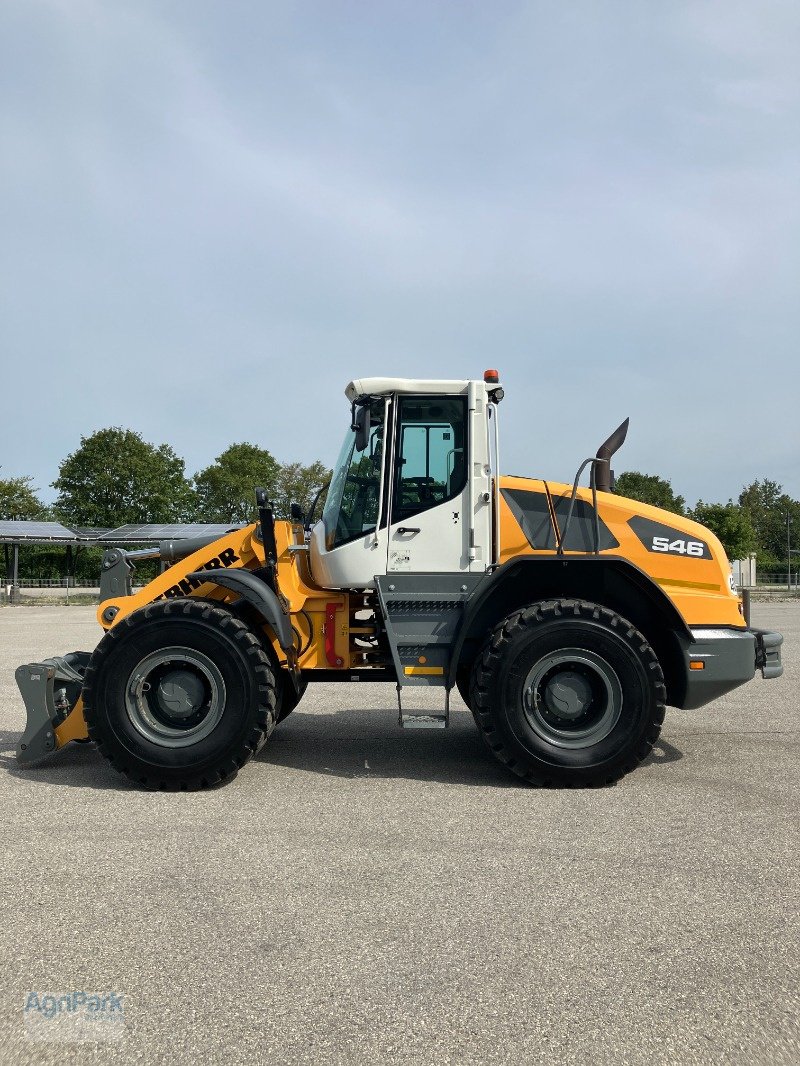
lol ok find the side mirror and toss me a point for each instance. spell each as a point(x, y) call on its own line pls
point(361, 428)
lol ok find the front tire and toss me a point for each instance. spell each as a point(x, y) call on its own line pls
point(287, 696)
point(567, 692)
point(179, 695)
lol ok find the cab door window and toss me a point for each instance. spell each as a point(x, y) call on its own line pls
point(351, 508)
point(431, 463)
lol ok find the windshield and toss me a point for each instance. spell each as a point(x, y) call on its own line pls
point(351, 509)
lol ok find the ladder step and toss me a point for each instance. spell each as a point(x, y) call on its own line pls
point(423, 721)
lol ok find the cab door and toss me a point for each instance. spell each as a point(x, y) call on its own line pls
point(429, 522)
point(348, 545)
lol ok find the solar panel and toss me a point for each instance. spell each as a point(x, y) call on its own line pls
point(54, 532)
point(140, 534)
point(46, 531)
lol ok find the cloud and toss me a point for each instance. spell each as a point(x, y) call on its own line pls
point(279, 197)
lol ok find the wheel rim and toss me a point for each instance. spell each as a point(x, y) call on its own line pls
point(175, 697)
point(572, 698)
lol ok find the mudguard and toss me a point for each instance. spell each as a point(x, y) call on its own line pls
point(258, 594)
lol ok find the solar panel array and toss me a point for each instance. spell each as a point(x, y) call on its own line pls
point(136, 534)
point(41, 531)
point(54, 532)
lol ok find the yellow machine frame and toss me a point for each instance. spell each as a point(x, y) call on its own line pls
point(325, 623)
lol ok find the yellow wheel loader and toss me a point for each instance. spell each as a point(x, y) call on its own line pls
point(567, 617)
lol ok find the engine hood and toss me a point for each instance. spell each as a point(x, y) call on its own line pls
point(683, 557)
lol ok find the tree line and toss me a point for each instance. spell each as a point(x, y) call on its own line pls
point(115, 477)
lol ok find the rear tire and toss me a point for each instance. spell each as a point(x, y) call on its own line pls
point(179, 695)
point(463, 684)
point(567, 692)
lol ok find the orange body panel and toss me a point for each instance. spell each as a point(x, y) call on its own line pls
point(700, 588)
point(306, 601)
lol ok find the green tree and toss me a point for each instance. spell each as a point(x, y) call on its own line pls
point(730, 523)
point(18, 500)
point(225, 491)
point(299, 484)
point(649, 488)
point(116, 477)
point(767, 506)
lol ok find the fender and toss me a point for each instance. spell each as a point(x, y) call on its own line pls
point(510, 586)
point(258, 594)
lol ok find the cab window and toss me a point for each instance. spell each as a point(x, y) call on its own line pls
point(351, 507)
point(431, 465)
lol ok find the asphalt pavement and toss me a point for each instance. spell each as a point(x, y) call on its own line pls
point(363, 894)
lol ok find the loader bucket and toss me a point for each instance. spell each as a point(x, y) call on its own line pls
point(50, 690)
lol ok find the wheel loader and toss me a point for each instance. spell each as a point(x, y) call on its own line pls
point(567, 617)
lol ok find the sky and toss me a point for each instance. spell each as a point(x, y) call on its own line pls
point(215, 214)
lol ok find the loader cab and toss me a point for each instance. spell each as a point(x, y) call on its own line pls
point(412, 489)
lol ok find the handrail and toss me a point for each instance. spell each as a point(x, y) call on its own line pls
point(594, 460)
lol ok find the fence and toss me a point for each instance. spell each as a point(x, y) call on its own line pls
point(778, 579)
point(11, 595)
point(49, 583)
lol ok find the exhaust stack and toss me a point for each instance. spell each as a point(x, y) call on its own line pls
point(604, 475)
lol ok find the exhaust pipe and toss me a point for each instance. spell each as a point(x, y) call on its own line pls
point(604, 475)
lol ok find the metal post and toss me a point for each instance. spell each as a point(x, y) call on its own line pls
point(788, 554)
point(746, 604)
point(70, 567)
point(15, 575)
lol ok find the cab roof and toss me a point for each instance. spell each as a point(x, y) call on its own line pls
point(384, 386)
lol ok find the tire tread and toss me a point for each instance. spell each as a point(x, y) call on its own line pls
point(488, 662)
point(253, 652)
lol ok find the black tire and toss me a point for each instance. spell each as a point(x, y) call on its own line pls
point(567, 692)
point(287, 695)
point(464, 684)
point(179, 695)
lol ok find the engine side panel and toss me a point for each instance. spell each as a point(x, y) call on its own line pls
point(682, 557)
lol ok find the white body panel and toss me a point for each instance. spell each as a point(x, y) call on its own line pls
point(350, 566)
point(418, 386)
point(452, 537)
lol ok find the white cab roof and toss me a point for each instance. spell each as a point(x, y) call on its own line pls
point(382, 386)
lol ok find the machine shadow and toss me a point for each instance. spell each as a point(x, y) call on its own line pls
point(76, 765)
point(362, 743)
point(367, 743)
point(663, 752)
point(346, 744)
